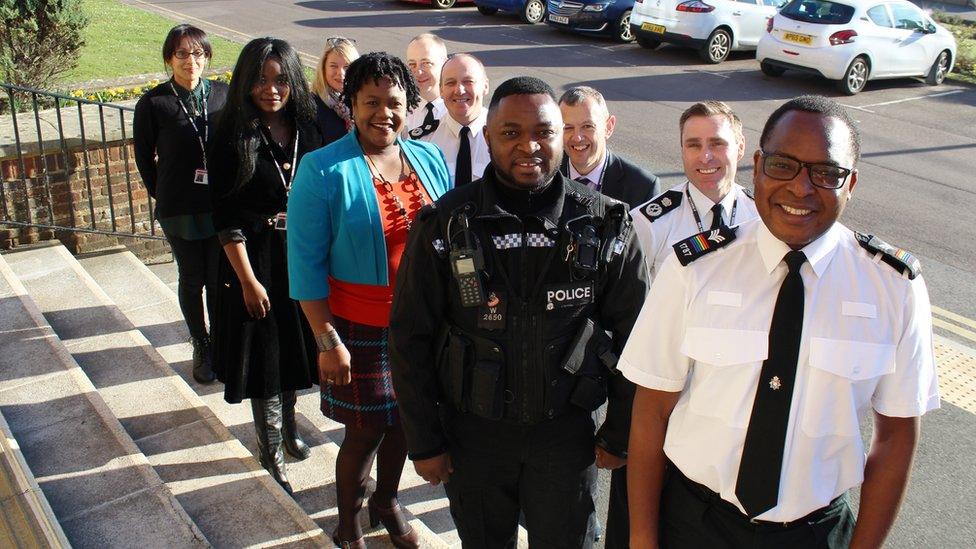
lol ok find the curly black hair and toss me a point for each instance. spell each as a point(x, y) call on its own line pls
point(520, 85)
point(374, 66)
point(816, 104)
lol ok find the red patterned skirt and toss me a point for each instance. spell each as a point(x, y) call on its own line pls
point(369, 400)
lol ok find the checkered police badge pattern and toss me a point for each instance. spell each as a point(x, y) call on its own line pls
point(514, 240)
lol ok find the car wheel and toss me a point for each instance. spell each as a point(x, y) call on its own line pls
point(717, 47)
point(649, 43)
point(624, 33)
point(939, 70)
point(855, 77)
point(533, 12)
point(443, 4)
point(771, 70)
point(485, 10)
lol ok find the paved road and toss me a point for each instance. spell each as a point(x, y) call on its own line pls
point(917, 187)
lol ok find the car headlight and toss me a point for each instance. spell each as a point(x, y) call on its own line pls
point(596, 7)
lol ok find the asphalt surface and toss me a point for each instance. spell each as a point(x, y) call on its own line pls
point(917, 175)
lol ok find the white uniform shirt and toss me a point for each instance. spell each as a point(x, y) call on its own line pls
point(866, 341)
point(657, 238)
point(417, 117)
point(595, 176)
point(447, 137)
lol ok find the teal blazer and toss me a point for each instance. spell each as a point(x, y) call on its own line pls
point(334, 224)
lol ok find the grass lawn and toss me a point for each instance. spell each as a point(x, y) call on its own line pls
point(121, 40)
point(965, 33)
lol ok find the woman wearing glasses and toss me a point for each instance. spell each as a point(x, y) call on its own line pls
point(332, 115)
point(172, 125)
point(351, 207)
point(263, 348)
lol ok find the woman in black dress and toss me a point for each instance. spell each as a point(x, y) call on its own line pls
point(332, 115)
point(263, 348)
point(172, 125)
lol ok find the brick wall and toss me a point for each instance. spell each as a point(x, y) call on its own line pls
point(93, 181)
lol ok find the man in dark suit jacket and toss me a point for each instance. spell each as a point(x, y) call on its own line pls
point(587, 124)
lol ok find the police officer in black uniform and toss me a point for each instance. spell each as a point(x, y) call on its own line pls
point(514, 297)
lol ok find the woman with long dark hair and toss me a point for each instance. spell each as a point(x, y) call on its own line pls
point(172, 126)
point(263, 348)
point(351, 207)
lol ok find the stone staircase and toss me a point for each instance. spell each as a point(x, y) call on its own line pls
point(127, 449)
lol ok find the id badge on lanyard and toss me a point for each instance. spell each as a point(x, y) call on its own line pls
point(200, 174)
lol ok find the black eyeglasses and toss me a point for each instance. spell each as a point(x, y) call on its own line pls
point(183, 54)
point(784, 168)
point(334, 41)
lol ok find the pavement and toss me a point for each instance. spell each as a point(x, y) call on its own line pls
point(915, 188)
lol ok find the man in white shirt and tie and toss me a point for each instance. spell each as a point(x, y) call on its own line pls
point(712, 144)
point(426, 54)
point(460, 134)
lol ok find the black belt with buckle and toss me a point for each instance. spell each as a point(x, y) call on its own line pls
point(712, 498)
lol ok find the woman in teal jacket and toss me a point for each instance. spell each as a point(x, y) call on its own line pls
point(349, 212)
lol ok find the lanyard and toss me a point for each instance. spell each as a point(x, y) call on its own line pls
point(603, 173)
point(694, 209)
point(286, 183)
point(201, 136)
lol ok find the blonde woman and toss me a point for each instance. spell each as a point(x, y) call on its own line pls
point(332, 115)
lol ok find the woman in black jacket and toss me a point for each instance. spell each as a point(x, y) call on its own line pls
point(263, 347)
point(171, 127)
point(332, 115)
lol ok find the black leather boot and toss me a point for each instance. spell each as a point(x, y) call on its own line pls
point(291, 439)
point(267, 423)
point(202, 365)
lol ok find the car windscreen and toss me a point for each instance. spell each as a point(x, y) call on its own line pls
point(818, 11)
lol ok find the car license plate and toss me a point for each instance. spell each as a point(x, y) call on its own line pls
point(659, 29)
point(561, 19)
point(798, 38)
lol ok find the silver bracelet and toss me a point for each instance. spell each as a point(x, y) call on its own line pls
point(326, 341)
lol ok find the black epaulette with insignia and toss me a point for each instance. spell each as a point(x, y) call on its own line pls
point(661, 205)
point(903, 262)
point(425, 130)
point(704, 243)
point(750, 193)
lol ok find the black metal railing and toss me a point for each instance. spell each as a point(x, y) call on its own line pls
point(51, 179)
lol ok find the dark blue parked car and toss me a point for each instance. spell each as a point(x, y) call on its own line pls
point(530, 11)
point(606, 17)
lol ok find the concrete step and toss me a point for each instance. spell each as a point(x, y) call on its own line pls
point(100, 487)
point(152, 306)
point(229, 496)
point(29, 520)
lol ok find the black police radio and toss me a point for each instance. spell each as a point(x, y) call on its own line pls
point(467, 262)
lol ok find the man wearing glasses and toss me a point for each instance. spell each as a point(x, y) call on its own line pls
point(711, 146)
point(763, 344)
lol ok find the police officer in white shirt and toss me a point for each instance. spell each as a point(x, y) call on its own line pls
point(712, 144)
point(758, 347)
point(426, 54)
point(460, 134)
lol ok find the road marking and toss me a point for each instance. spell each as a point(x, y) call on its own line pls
point(709, 72)
point(864, 107)
point(950, 322)
point(957, 374)
point(953, 317)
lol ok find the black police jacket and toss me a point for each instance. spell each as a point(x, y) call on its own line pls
point(537, 302)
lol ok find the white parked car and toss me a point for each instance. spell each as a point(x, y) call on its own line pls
point(714, 27)
point(853, 41)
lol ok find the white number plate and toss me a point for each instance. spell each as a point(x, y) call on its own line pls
point(559, 19)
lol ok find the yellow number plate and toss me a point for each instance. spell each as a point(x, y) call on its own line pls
point(798, 38)
point(652, 27)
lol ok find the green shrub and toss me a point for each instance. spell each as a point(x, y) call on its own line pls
point(39, 40)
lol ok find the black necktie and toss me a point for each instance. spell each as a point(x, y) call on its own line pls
point(583, 180)
point(462, 169)
point(429, 119)
point(717, 220)
point(757, 485)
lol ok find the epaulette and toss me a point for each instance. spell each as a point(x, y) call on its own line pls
point(661, 205)
point(704, 243)
point(902, 261)
point(425, 130)
point(750, 193)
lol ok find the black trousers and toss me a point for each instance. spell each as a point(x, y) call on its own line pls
point(502, 470)
point(196, 263)
point(618, 521)
point(692, 516)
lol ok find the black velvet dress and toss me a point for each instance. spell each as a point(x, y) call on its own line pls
point(258, 358)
